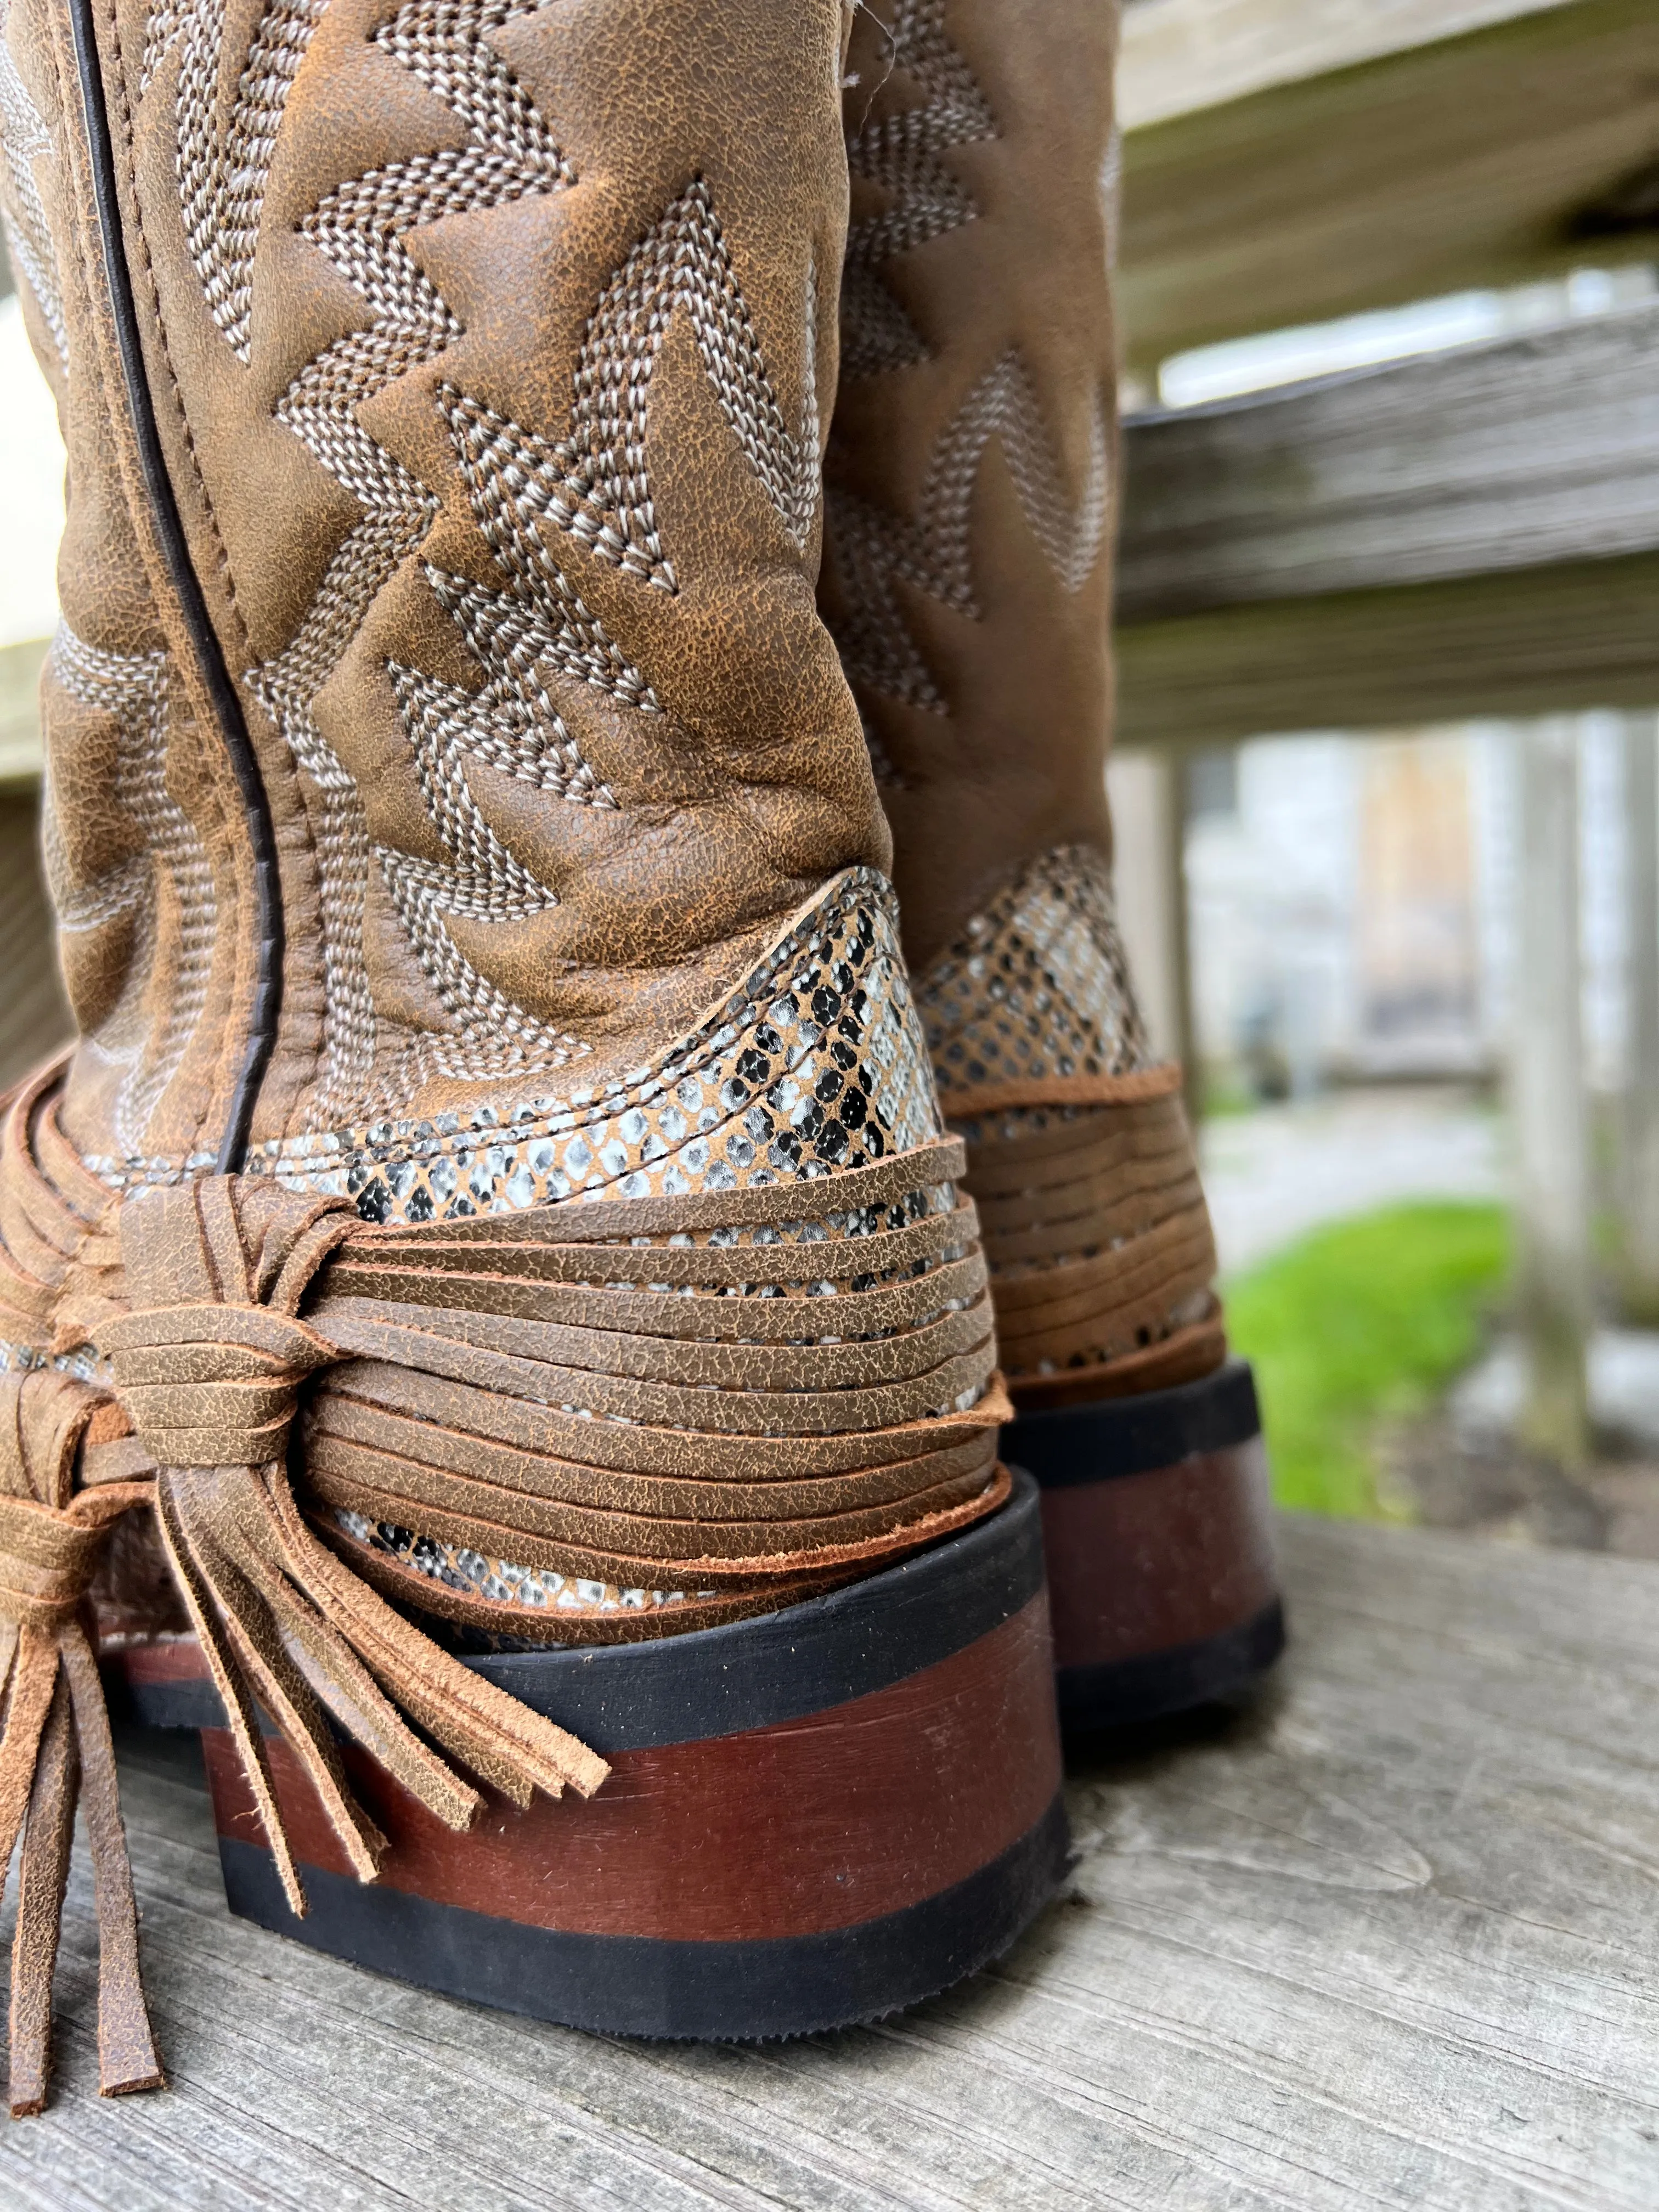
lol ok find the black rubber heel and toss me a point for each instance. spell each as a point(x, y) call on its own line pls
point(812, 1819)
point(1158, 1524)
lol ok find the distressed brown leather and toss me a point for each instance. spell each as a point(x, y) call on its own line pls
point(147, 855)
point(378, 241)
point(56, 1750)
point(972, 467)
point(971, 495)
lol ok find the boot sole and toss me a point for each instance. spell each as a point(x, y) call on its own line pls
point(1157, 1523)
point(812, 1819)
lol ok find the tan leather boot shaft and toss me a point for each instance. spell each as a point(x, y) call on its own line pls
point(972, 467)
point(147, 857)
point(484, 345)
point(972, 485)
point(446, 507)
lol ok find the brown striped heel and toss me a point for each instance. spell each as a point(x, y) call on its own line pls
point(813, 1818)
point(1156, 1520)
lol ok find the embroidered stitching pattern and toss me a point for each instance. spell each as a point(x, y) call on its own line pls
point(512, 724)
point(360, 228)
point(169, 884)
point(901, 154)
point(514, 477)
point(23, 140)
point(871, 547)
point(595, 481)
point(223, 169)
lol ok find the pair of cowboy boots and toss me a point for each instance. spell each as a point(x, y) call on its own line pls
point(505, 1294)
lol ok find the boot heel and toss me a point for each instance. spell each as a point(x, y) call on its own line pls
point(813, 1818)
point(1157, 1523)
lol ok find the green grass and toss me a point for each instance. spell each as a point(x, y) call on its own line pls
point(1370, 1317)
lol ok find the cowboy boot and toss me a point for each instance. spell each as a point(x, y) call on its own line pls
point(497, 1217)
point(970, 485)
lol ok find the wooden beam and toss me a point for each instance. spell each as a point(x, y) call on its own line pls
point(1546, 1095)
point(34, 1015)
point(1534, 641)
point(1638, 1129)
point(1489, 158)
point(1522, 455)
point(1476, 532)
point(1179, 55)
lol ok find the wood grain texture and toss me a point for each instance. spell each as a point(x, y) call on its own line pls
point(1390, 1941)
point(1526, 642)
point(1181, 55)
point(1528, 453)
point(1473, 160)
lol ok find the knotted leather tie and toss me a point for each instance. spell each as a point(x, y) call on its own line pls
point(540, 1381)
point(207, 1364)
point(56, 1749)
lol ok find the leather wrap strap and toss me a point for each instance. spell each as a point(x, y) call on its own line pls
point(739, 1397)
point(1097, 1238)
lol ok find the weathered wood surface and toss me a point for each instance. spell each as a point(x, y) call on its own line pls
point(1492, 158)
point(1181, 55)
point(1467, 533)
point(34, 1015)
point(1392, 1941)
point(1523, 642)
point(1527, 453)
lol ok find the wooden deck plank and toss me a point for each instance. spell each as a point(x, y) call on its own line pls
point(1492, 158)
point(1389, 1941)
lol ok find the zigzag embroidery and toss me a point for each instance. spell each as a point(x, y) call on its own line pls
point(23, 140)
point(871, 547)
point(360, 228)
point(513, 477)
point(224, 167)
point(512, 724)
point(594, 482)
point(901, 154)
point(173, 867)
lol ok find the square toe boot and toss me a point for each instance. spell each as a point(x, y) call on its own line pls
point(496, 1232)
point(967, 580)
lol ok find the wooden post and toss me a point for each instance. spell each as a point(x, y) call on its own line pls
point(1639, 1180)
point(1553, 1213)
point(1148, 791)
point(1175, 811)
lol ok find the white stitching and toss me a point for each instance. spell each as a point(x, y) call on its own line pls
point(359, 229)
point(870, 546)
point(223, 166)
point(594, 483)
point(133, 688)
point(902, 153)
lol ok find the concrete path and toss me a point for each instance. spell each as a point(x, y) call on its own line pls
point(1274, 1174)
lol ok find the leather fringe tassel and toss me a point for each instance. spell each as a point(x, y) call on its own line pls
point(55, 1749)
point(209, 1366)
